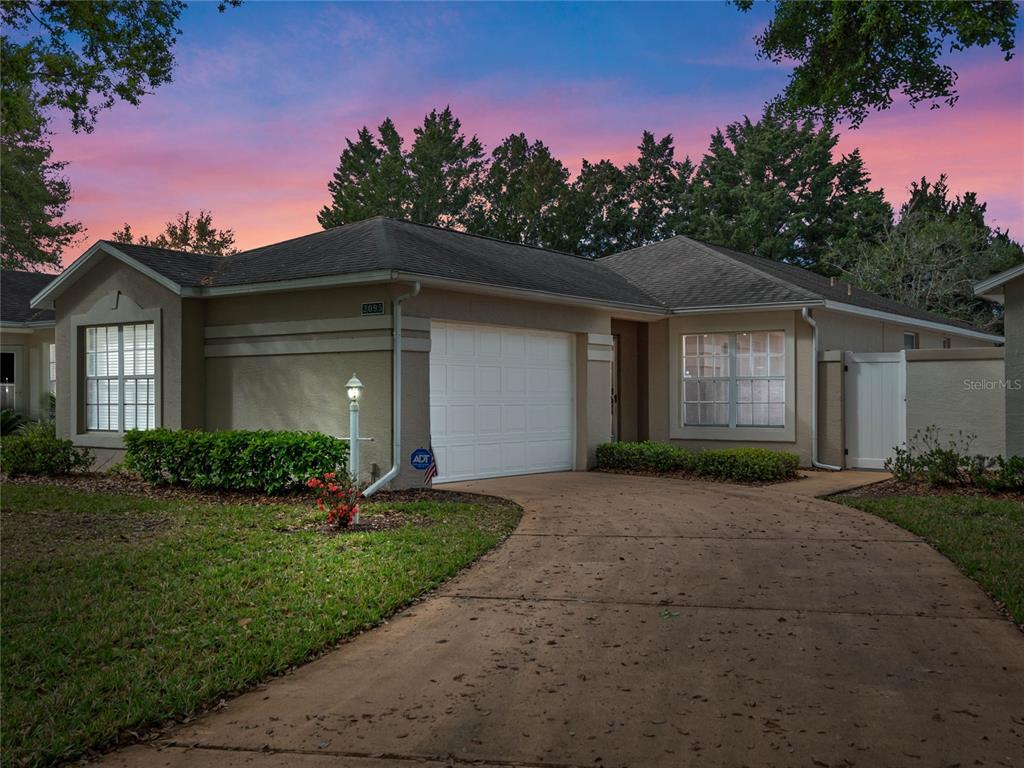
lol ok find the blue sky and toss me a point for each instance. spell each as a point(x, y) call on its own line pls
point(265, 94)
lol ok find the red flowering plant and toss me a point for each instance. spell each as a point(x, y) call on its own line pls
point(338, 496)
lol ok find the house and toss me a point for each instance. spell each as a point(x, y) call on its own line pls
point(503, 358)
point(28, 360)
point(1007, 288)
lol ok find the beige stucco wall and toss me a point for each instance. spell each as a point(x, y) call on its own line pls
point(31, 368)
point(958, 390)
point(664, 383)
point(852, 333)
point(831, 439)
point(1013, 293)
point(239, 389)
point(110, 292)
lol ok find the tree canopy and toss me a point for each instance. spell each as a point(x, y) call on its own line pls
point(776, 187)
point(851, 57)
point(73, 57)
point(185, 233)
point(933, 255)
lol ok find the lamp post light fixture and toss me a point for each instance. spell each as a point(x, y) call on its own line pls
point(355, 389)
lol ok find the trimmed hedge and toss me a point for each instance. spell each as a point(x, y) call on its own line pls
point(237, 460)
point(36, 450)
point(745, 465)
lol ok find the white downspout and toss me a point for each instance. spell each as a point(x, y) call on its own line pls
point(805, 313)
point(396, 394)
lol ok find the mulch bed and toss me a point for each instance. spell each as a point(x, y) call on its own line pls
point(893, 487)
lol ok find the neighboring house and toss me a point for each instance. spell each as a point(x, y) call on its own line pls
point(512, 359)
point(28, 361)
point(1007, 288)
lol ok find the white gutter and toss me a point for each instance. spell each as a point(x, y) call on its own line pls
point(805, 313)
point(396, 394)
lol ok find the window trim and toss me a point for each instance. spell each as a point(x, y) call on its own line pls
point(121, 378)
point(914, 337)
point(733, 380)
point(774, 320)
point(113, 309)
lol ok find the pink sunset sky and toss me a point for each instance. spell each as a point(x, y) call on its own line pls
point(265, 94)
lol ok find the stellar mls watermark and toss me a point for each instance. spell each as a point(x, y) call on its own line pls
point(988, 385)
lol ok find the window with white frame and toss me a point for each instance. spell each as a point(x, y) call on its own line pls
point(734, 379)
point(52, 369)
point(910, 341)
point(120, 377)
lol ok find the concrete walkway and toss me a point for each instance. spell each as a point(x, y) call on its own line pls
point(824, 482)
point(652, 622)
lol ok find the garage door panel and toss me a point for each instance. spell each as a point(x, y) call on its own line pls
point(501, 401)
point(488, 419)
point(514, 381)
point(513, 418)
point(461, 380)
point(438, 419)
point(461, 420)
point(488, 380)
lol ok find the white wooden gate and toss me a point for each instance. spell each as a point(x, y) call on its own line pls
point(876, 413)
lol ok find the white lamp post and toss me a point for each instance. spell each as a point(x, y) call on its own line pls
point(355, 389)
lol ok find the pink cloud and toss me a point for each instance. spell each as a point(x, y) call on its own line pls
point(263, 171)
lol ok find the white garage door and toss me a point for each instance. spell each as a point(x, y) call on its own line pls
point(501, 401)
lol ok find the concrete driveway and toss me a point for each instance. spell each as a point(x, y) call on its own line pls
point(650, 622)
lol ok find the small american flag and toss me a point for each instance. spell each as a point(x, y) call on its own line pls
point(431, 471)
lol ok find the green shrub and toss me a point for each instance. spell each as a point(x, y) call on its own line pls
point(938, 461)
point(645, 456)
point(10, 421)
point(748, 465)
point(1009, 474)
point(36, 450)
point(264, 461)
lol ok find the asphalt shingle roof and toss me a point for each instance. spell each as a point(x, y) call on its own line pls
point(16, 291)
point(688, 274)
point(678, 273)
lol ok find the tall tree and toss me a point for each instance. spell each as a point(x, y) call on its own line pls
point(598, 218)
point(78, 57)
point(853, 56)
point(518, 198)
point(657, 189)
point(445, 168)
point(371, 179)
point(185, 233)
point(933, 255)
point(775, 189)
point(33, 192)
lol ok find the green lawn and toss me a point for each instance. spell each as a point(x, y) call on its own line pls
point(984, 537)
point(119, 612)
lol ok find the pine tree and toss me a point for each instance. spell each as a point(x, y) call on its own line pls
point(657, 186)
point(518, 198)
point(371, 179)
point(445, 168)
point(773, 188)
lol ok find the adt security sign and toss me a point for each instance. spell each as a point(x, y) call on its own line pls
point(421, 459)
